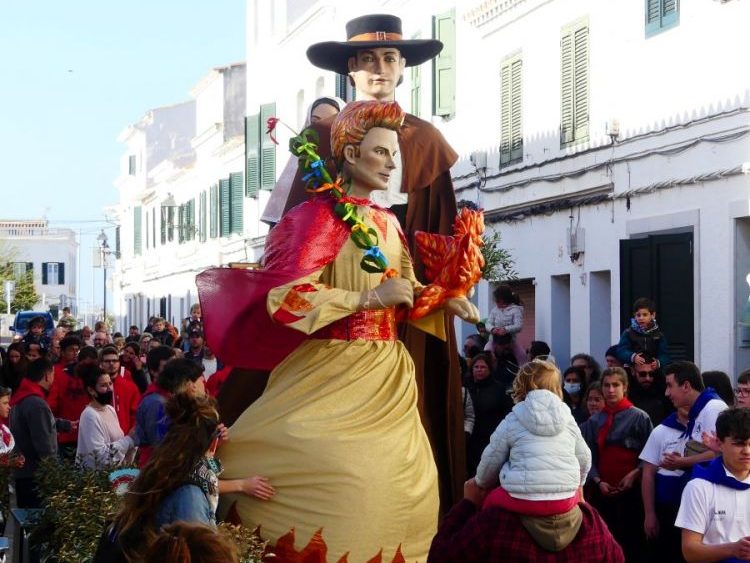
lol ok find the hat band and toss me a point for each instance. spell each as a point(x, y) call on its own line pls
point(376, 36)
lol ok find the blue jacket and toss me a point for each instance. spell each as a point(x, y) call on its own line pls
point(187, 503)
point(653, 344)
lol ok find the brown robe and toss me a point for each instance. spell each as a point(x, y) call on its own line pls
point(431, 206)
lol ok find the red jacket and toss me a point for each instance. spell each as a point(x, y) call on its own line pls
point(67, 398)
point(468, 536)
point(126, 397)
point(215, 382)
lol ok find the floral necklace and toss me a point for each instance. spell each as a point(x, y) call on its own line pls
point(304, 147)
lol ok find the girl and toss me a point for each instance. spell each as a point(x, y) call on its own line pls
point(574, 383)
point(538, 449)
point(594, 400)
point(506, 317)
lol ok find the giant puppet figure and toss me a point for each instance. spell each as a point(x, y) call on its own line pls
point(337, 429)
point(420, 193)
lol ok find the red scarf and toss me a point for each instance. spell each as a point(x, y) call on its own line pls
point(601, 437)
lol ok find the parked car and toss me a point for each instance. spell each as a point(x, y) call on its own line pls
point(21, 323)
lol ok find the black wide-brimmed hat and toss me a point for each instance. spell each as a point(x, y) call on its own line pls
point(371, 32)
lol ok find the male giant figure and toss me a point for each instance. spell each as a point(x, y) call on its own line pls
point(421, 195)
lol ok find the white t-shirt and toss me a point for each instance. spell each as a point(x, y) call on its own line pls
point(662, 441)
point(101, 442)
point(720, 513)
point(706, 419)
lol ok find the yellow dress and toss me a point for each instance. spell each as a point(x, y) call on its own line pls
point(337, 430)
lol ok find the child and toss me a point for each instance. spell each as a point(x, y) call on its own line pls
point(506, 318)
point(643, 342)
point(594, 398)
point(538, 449)
point(35, 334)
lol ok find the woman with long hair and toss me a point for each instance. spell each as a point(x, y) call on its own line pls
point(179, 482)
point(193, 543)
point(14, 367)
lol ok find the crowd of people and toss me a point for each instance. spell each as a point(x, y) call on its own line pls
point(650, 425)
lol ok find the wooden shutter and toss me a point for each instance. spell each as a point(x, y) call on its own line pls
point(416, 90)
point(203, 214)
point(444, 65)
point(267, 149)
point(213, 218)
point(236, 183)
point(511, 130)
point(181, 224)
point(117, 241)
point(45, 266)
point(574, 80)
point(170, 224)
point(190, 220)
point(137, 226)
point(661, 14)
point(225, 214)
point(252, 155)
point(164, 225)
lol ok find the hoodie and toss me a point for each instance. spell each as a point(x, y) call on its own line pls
point(537, 450)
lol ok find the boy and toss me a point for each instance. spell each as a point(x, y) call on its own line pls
point(714, 512)
point(643, 342)
point(742, 391)
point(36, 335)
point(161, 333)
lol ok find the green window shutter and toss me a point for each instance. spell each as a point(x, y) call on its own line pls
point(416, 90)
point(444, 65)
point(661, 15)
point(225, 213)
point(61, 273)
point(190, 222)
point(163, 226)
point(574, 80)
point(45, 265)
point(236, 183)
point(267, 150)
point(137, 225)
point(203, 215)
point(181, 224)
point(511, 131)
point(117, 241)
point(213, 218)
point(252, 155)
point(170, 224)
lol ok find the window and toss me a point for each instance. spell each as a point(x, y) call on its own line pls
point(252, 155)
point(213, 217)
point(53, 273)
point(574, 79)
point(170, 224)
point(20, 268)
point(203, 215)
point(416, 90)
point(661, 15)
point(225, 207)
point(444, 65)
point(137, 225)
point(511, 131)
point(267, 149)
point(131, 165)
point(236, 182)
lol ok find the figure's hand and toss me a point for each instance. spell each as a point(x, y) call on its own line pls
point(223, 432)
point(395, 291)
point(20, 461)
point(73, 425)
point(258, 487)
point(608, 490)
point(463, 308)
point(741, 548)
point(474, 492)
point(710, 440)
point(651, 526)
point(639, 360)
point(672, 461)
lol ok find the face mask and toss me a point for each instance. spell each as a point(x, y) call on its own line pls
point(573, 388)
point(104, 398)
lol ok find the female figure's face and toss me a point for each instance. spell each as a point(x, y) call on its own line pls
point(595, 402)
point(322, 111)
point(480, 370)
point(14, 356)
point(5, 406)
point(614, 390)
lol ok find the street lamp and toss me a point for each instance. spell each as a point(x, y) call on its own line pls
point(104, 249)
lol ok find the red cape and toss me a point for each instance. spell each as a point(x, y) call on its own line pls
point(233, 301)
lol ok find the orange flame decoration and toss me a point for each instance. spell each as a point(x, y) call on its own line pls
point(453, 264)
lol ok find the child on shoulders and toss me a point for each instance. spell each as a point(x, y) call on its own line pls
point(537, 452)
point(643, 342)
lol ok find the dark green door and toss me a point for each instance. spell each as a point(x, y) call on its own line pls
point(661, 267)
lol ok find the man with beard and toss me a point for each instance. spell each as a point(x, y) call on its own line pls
point(647, 392)
point(125, 394)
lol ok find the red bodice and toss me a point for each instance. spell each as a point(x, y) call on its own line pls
point(376, 324)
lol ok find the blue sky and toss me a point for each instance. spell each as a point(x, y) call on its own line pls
point(75, 74)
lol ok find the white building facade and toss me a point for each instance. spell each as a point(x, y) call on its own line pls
point(184, 204)
point(607, 141)
point(50, 253)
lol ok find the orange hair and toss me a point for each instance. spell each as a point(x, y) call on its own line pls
point(357, 118)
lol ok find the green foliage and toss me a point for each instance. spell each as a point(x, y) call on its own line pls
point(25, 297)
point(498, 262)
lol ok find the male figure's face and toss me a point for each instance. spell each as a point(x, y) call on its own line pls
point(86, 333)
point(644, 317)
point(613, 390)
point(133, 331)
point(110, 365)
point(376, 73)
point(36, 329)
point(70, 354)
point(612, 362)
point(47, 380)
point(158, 327)
point(196, 341)
point(370, 167)
point(644, 375)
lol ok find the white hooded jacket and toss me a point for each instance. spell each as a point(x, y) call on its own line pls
point(538, 450)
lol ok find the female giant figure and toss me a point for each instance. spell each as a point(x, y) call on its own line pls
point(337, 428)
